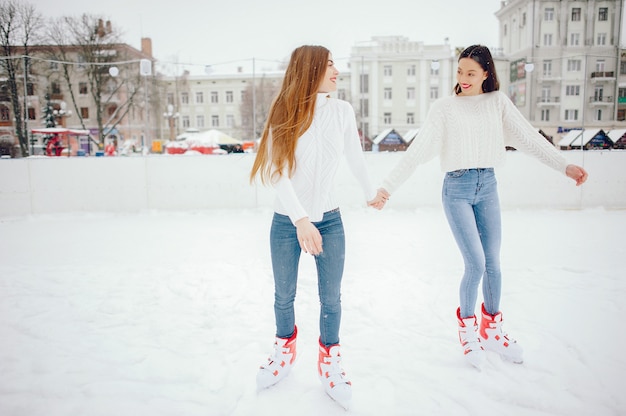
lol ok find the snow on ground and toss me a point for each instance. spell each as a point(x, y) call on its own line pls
point(170, 313)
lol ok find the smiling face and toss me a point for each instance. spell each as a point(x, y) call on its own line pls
point(329, 83)
point(470, 76)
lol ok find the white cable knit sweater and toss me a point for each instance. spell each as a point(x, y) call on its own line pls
point(333, 133)
point(471, 132)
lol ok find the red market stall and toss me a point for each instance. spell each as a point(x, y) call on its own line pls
point(61, 139)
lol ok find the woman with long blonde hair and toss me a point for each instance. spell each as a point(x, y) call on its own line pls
point(305, 136)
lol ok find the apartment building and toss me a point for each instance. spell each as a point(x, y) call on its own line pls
point(59, 76)
point(566, 69)
point(394, 80)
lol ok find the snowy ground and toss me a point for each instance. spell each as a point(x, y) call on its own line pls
point(171, 313)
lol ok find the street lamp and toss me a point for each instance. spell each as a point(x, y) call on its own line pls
point(171, 120)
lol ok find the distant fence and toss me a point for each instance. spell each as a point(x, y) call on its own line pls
point(130, 184)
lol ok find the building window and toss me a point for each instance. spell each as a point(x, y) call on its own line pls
point(30, 89)
point(598, 94)
point(54, 66)
point(5, 114)
point(170, 98)
point(434, 71)
point(184, 98)
point(214, 99)
point(573, 65)
point(547, 68)
point(622, 68)
point(364, 83)
point(199, 97)
point(548, 14)
point(365, 107)
point(387, 118)
point(601, 40)
point(599, 115)
point(387, 71)
point(574, 39)
point(84, 113)
point(504, 30)
point(82, 88)
point(215, 121)
point(410, 93)
point(434, 93)
point(576, 14)
point(186, 123)
point(387, 93)
point(410, 71)
point(621, 92)
point(603, 14)
point(31, 114)
point(572, 90)
point(55, 87)
point(545, 114)
point(341, 93)
point(571, 115)
point(200, 122)
point(230, 121)
point(547, 39)
point(600, 65)
point(410, 118)
point(229, 96)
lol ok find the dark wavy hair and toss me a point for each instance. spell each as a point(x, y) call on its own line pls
point(482, 55)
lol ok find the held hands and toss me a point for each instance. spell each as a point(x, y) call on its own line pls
point(309, 237)
point(577, 173)
point(381, 198)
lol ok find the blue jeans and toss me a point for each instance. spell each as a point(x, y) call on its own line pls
point(471, 203)
point(285, 259)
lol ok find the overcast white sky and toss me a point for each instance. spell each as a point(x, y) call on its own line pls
point(211, 32)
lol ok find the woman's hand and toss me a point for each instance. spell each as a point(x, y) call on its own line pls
point(309, 236)
point(577, 173)
point(381, 198)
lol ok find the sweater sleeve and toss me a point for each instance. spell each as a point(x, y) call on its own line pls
point(286, 192)
point(424, 147)
point(520, 134)
point(354, 153)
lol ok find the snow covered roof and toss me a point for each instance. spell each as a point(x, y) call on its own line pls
point(575, 138)
point(410, 135)
point(616, 134)
point(569, 137)
point(381, 136)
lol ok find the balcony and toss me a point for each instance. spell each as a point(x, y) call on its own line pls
point(608, 100)
point(602, 76)
point(548, 101)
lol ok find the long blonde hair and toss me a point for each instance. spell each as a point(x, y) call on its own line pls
point(291, 113)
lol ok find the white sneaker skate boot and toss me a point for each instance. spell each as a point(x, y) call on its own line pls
point(332, 376)
point(468, 336)
point(279, 364)
point(493, 338)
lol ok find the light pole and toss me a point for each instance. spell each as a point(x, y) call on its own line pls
point(145, 69)
point(171, 120)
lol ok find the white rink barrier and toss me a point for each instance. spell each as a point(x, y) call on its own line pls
point(42, 185)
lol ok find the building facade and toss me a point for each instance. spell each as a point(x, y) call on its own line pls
point(566, 68)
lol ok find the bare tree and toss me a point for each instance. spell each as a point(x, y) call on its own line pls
point(255, 106)
point(19, 23)
point(97, 47)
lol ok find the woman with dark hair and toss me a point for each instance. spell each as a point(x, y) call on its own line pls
point(469, 132)
point(306, 134)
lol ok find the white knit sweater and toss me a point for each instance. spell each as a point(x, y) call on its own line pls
point(333, 133)
point(472, 132)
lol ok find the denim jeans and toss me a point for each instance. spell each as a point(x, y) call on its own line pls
point(285, 259)
point(472, 207)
